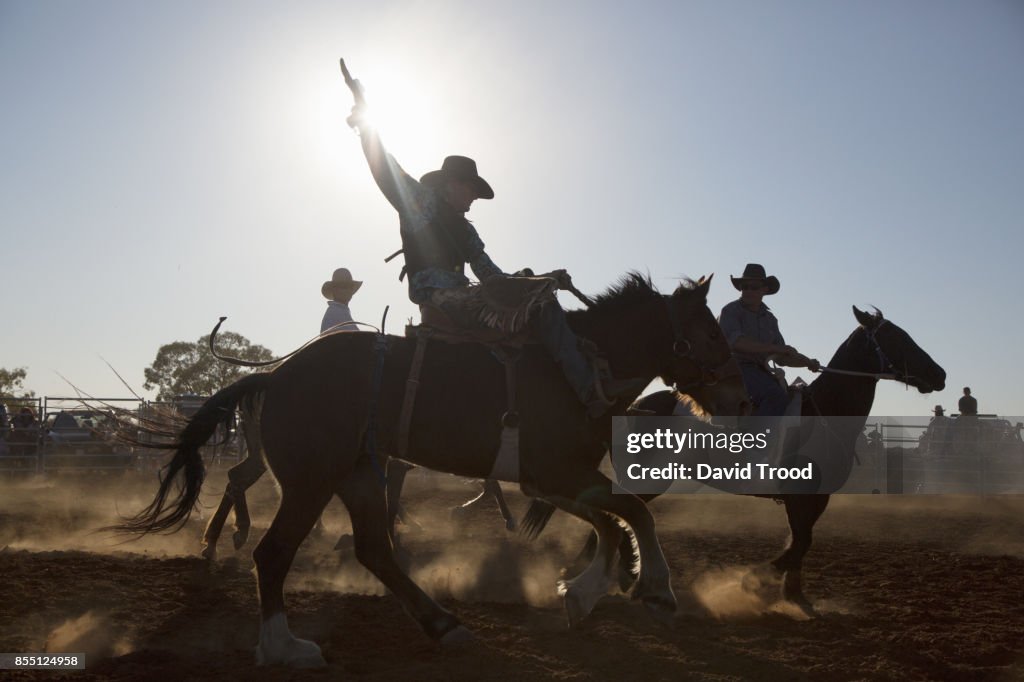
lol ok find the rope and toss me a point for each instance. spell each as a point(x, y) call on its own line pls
point(850, 372)
point(253, 363)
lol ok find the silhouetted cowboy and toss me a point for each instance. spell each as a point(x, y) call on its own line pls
point(438, 240)
point(753, 333)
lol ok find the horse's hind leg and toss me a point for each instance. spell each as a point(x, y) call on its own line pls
point(241, 477)
point(299, 510)
point(215, 526)
point(364, 497)
point(803, 511)
point(493, 488)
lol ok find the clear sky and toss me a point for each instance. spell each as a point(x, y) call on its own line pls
point(165, 163)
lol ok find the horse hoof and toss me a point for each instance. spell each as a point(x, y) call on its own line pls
point(457, 636)
point(575, 610)
point(510, 524)
point(209, 552)
point(661, 609)
point(301, 654)
point(240, 537)
point(279, 647)
point(578, 603)
point(804, 604)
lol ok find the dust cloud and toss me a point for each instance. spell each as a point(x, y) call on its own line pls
point(91, 634)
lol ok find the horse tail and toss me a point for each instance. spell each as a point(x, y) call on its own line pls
point(168, 512)
point(536, 518)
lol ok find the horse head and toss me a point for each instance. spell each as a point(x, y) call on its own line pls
point(701, 364)
point(896, 352)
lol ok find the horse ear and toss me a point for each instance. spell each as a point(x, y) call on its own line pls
point(865, 319)
point(704, 285)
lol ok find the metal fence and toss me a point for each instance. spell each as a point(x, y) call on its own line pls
point(941, 455)
point(72, 435)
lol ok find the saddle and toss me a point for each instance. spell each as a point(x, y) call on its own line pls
point(495, 312)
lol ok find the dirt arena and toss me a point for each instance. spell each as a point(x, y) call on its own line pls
point(907, 587)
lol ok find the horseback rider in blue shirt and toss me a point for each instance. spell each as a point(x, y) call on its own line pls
point(753, 334)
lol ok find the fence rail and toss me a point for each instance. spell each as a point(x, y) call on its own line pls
point(74, 435)
point(967, 455)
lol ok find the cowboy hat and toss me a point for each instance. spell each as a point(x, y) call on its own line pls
point(459, 168)
point(340, 284)
point(754, 273)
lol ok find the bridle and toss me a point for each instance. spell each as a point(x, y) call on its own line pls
point(884, 363)
point(883, 360)
point(683, 349)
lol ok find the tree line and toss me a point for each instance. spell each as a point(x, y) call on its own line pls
point(180, 368)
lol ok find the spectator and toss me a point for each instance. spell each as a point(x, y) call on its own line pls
point(338, 291)
point(968, 404)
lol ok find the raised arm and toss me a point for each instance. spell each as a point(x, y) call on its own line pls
point(397, 186)
point(386, 172)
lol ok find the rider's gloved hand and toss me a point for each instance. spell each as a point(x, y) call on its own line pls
point(560, 276)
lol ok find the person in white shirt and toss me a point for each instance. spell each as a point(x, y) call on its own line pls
point(338, 291)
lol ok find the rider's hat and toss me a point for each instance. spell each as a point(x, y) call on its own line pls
point(754, 274)
point(459, 168)
point(340, 285)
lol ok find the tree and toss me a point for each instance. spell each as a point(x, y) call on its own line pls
point(11, 383)
point(182, 367)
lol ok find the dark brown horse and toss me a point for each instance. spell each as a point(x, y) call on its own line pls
point(876, 347)
point(244, 475)
point(330, 386)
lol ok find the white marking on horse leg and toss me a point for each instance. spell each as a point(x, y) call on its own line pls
point(457, 636)
point(278, 646)
point(582, 593)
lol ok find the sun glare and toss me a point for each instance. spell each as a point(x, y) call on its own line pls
point(405, 114)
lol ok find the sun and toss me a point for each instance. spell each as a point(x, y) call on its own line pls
point(405, 112)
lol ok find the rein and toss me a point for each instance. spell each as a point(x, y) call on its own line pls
point(850, 372)
point(883, 361)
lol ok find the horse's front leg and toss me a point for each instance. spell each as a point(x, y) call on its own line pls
point(802, 511)
point(582, 592)
point(653, 587)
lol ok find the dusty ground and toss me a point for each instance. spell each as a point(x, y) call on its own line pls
point(908, 588)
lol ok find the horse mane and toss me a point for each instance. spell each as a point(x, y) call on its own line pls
point(631, 289)
point(695, 408)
